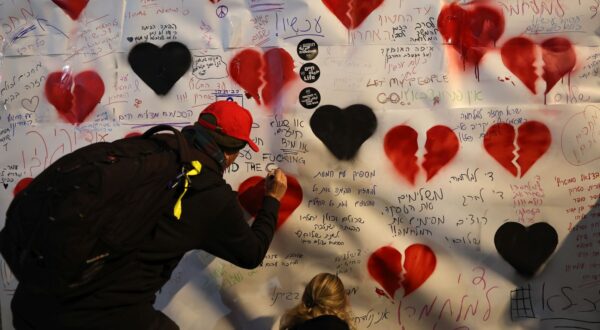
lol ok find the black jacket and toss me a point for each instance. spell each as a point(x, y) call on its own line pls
point(212, 220)
point(323, 322)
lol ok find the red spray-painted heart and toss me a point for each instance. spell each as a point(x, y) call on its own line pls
point(73, 8)
point(533, 140)
point(400, 146)
point(252, 191)
point(385, 266)
point(76, 105)
point(471, 29)
point(352, 12)
point(558, 55)
point(22, 184)
point(263, 76)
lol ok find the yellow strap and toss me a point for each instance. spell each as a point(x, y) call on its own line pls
point(197, 166)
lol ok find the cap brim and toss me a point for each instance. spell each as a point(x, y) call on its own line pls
point(252, 145)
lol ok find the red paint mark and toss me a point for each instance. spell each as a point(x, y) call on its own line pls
point(352, 12)
point(133, 134)
point(385, 266)
point(442, 145)
point(252, 191)
point(381, 293)
point(532, 138)
point(73, 8)
point(22, 184)
point(558, 55)
point(263, 76)
point(472, 29)
point(400, 146)
point(76, 105)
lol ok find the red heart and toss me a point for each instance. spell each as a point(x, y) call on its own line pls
point(519, 56)
point(533, 140)
point(471, 29)
point(22, 184)
point(267, 74)
point(353, 12)
point(400, 145)
point(75, 106)
point(385, 266)
point(252, 191)
point(73, 8)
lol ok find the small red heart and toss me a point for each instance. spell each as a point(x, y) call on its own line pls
point(73, 8)
point(353, 12)
point(533, 140)
point(252, 191)
point(263, 76)
point(400, 146)
point(77, 105)
point(472, 29)
point(385, 266)
point(519, 56)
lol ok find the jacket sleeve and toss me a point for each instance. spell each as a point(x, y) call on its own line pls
point(239, 243)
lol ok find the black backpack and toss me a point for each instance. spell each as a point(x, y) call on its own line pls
point(85, 215)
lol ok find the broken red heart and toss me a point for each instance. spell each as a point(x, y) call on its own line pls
point(519, 56)
point(385, 267)
point(73, 8)
point(400, 145)
point(352, 13)
point(472, 29)
point(533, 140)
point(252, 191)
point(76, 105)
point(263, 76)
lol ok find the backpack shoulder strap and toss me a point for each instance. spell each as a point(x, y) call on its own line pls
point(183, 148)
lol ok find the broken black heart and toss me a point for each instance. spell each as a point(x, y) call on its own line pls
point(343, 131)
point(526, 248)
point(160, 68)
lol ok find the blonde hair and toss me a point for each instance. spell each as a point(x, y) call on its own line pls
point(323, 295)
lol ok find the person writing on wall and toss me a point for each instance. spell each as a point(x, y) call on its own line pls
point(212, 220)
point(324, 305)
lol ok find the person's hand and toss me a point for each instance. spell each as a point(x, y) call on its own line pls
point(276, 184)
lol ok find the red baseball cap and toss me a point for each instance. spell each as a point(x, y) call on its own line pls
point(232, 120)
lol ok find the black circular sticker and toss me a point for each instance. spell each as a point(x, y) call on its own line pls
point(308, 49)
point(310, 72)
point(310, 98)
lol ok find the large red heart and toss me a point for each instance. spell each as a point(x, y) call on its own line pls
point(558, 55)
point(533, 140)
point(73, 8)
point(472, 29)
point(400, 146)
point(263, 76)
point(74, 106)
point(252, 191)
point(352, 12)
point(385, 266)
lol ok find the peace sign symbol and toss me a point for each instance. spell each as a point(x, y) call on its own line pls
point(222, 11)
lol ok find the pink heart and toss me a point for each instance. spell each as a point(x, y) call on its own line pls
point(352, 12)
point(74, 98)
point(385, 266)
point(73, 8)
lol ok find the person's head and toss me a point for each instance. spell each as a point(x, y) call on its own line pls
point(323, 295)
point(229, 124)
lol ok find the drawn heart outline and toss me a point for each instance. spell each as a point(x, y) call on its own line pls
point(519, 56)
point(532, 138)
point(343, 131)
point(263, 75)
point(385, 267)
point(160, 67)
point(74, 97)
point(400, 146)
point(30, 104)
point(526, 248)
point(352, 12)
point(252, 191)
point(73, 8)
point(472, 29)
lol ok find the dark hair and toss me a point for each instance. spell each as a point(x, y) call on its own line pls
point(227, 143)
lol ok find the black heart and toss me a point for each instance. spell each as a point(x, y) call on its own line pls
point(160, 68)
point(343, 131)
point(526, 248)
point(130, 39)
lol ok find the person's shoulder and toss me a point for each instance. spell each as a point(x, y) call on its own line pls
point(329, 322)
